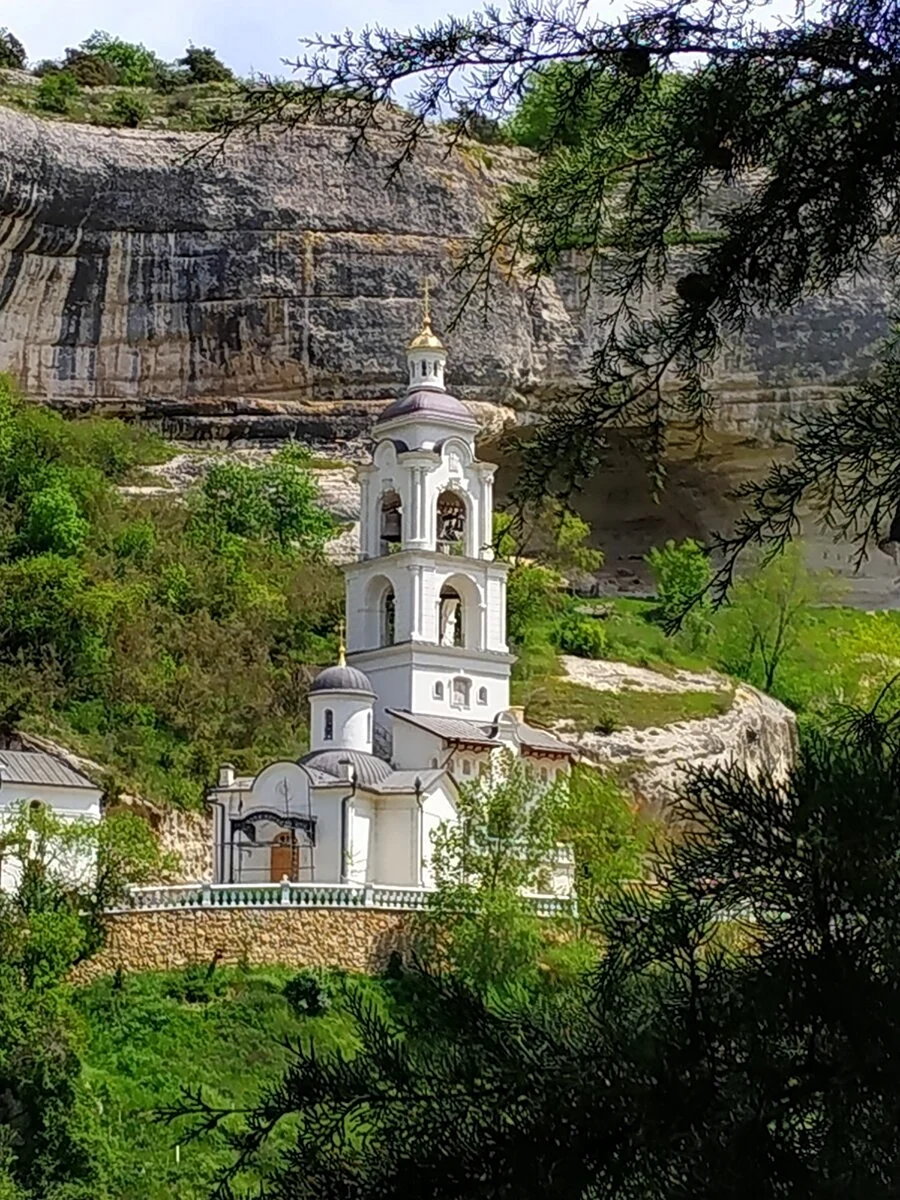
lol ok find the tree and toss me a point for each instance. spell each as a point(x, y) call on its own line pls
point(12, 52)
point(136, 65)
point(760, 626)
point(681, 572)
point(784, 135)
point(501, 845)
point(67, 873)
point(738, 1037)
point(204, 66)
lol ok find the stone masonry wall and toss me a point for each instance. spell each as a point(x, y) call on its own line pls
point(301, 937)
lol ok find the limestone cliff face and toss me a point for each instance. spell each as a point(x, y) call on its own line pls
point(283, 281)
point(271, 294)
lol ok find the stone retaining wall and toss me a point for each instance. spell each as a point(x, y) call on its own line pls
point(158, 941)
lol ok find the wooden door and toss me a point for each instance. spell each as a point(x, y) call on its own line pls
point(284, 858)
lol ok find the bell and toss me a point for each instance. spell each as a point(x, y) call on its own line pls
point(391, 525)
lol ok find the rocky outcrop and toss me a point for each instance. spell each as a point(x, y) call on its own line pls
point(757, 734)
point(270, 293)
point(275, 288)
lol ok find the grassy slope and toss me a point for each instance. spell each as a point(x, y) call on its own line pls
point(144, 1046)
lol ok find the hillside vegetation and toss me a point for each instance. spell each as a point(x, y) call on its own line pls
point(158, 637)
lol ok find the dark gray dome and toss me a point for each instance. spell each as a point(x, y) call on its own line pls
point(368, 767)
point(342, 679)
point(428, 403)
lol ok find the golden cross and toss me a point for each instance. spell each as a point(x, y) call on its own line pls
point(426, 301)
point(342, 649)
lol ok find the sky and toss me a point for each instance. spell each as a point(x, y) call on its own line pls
point(250, 37)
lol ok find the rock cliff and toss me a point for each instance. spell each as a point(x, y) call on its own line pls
point(271, 293)
point(289, 272)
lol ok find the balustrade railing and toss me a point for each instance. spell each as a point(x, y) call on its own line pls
point(298, 895)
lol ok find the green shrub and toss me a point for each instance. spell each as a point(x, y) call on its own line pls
point(129, 109)
point(681, 572)
point(136, 65)
point(308, 994)
point(12, 52)
point(53, 523)
point(56, 92)
point(196, 985)
point(136, 543)
point(580, 635)
point(90, 70)
point(204, 66)
point(47, 66)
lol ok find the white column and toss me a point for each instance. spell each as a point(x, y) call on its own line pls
point(487, 514)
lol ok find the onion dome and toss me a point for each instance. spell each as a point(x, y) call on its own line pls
point(342, 678)
point(439, 405)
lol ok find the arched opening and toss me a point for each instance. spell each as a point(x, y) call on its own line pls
point(438, 691)
point(391, 522)
point(328, 731)
point(460, 692)
point(451, 618)
point(482, 695)
point(388, 617)
point(451, 523)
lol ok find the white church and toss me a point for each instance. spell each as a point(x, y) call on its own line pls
point(419, 700)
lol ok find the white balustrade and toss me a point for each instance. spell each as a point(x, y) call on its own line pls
point(299, 895)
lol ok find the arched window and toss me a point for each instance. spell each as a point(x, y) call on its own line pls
point(467, 766)
point(451, 523)
point(451, 618)
point(438, 691)
point(368, 726)
point(434, 763)
point(459, 695)
point(328, 735)
point(482, 695)
point(388, 617)
point(424, 367)
point(391, 522)
point(544, 774)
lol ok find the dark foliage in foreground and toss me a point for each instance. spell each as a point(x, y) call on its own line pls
point(740, 1037)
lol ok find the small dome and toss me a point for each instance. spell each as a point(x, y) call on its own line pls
point(368, 767)
point(427, 339)
point(342, 678)
point(424, 403)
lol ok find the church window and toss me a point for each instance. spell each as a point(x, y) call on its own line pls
point(329, 725)
point(388, 617)
point(438, 691)
point(434, 763)
point(451, 523)
point(544, 774)
point(467, 766)
point(424, 367)
point(391, 527)
point(451, 618)
point(368, 727)
point(460, 693)
point(482, 695)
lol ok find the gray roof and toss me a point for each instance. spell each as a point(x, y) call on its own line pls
point(342, 679)
point(405, 781)
point(453, 729)
point(428, 403)
point(39, 769)
point(369, 767)
point(457, 729)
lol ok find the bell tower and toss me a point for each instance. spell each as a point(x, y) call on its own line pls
point(426, 601)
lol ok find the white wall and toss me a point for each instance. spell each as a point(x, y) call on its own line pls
point(437, 807)
point(362, 840)
point(351, 717)
point(415, 749)
point(268, 793)
point(397, 841)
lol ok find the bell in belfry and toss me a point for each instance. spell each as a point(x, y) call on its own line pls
point(390, 525)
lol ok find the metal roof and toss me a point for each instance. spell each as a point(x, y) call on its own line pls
point(405, 781)
point(39, 769)
point(457, 729)
point(453, 729)
point(369, 768)
point(425, 403)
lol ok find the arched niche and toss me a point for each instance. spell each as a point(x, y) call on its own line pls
point(390, 521)
point(452, 527)
point(459, 605)
point(381, 612)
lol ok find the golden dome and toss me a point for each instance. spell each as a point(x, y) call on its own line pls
point(427, 339)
